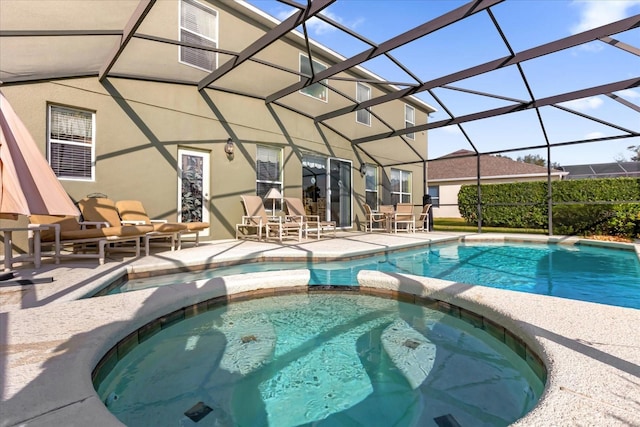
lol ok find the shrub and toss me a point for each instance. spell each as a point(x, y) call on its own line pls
point(524, 205)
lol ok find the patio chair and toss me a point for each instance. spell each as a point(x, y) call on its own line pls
point(103, 210)
point(403, 215)
point(133, 212)
point(311, 223)
point(372, 218)
point(257, 222)
point(81, 238)
point(422, 223)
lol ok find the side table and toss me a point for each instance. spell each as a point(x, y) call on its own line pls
point(8, 246)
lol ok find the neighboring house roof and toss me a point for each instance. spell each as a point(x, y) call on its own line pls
point(603, 170)
point(462, 165)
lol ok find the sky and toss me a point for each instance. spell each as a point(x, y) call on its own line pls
point(475, 40)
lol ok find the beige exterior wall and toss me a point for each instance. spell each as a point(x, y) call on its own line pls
point(141, 125)
point(448, 202)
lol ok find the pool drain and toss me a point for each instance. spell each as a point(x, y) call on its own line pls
point(446, 421)
point(198, 412)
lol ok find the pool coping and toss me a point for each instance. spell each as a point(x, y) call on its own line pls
point(589, 349)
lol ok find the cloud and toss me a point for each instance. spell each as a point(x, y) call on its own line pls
point(597, 13)
point(629, 93)
point(594, 135)
point(318, 27)
point(453, 129)
point(584, 104)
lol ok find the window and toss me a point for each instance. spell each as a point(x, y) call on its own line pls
point(363, 93)
point(269, 174)
point(400, 186)
point(434, 192)
point(371, 186)
point(316, 90)
point(409, 119)
point(70, 146)
point(198, 25)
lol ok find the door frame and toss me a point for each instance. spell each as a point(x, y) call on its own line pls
point(206, 179)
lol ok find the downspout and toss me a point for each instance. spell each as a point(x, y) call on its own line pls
point(425, 189)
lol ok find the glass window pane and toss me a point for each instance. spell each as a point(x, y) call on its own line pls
point(316, 90)
point(409, 119)
point(406, 181)
point(371, 178)
point(371, 198)
point(198, 25)
point(395, 180)
point(70, 142)
point(363, 93)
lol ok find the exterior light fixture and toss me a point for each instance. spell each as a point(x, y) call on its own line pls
point(229, 148)
point(363, 169)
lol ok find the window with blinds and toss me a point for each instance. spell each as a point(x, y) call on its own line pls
point(198, 25)
point(409, 119)
point(268, 173)
point(363, 93)
point(400, 186)
point(70, 144)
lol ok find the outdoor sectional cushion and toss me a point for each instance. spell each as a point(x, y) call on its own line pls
point(121, 231)
point(133, 210)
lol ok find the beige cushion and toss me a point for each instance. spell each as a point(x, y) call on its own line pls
point(132, 210)
point(196, 226)
point(94, 233)
point(99, 209)
point(169, 227)
point(67, 224)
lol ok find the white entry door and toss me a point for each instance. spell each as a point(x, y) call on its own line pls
point(193, 187)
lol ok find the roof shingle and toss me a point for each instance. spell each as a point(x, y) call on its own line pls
point(462, 164)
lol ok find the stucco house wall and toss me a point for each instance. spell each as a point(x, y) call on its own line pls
point(140, 125)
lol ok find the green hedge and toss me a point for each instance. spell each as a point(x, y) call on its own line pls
point(605, 213)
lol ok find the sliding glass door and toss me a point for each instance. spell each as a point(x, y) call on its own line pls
point(327, 195)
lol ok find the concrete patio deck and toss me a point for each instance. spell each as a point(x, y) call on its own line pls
point(51, 340)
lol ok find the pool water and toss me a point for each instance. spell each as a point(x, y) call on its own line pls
point(595, 274)
point(321, 359)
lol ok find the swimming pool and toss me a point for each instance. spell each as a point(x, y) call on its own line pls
point(321, 359)
point(587, 273)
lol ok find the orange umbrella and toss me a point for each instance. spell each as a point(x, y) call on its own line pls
point(28, 185)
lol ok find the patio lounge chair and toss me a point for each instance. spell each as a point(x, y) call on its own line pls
point(256, 222)
point(103, 210)
point(133, 212)
point(422, 223)
point(310, 223)
point(66, 232)
point(404, 215)
point(372, 218)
